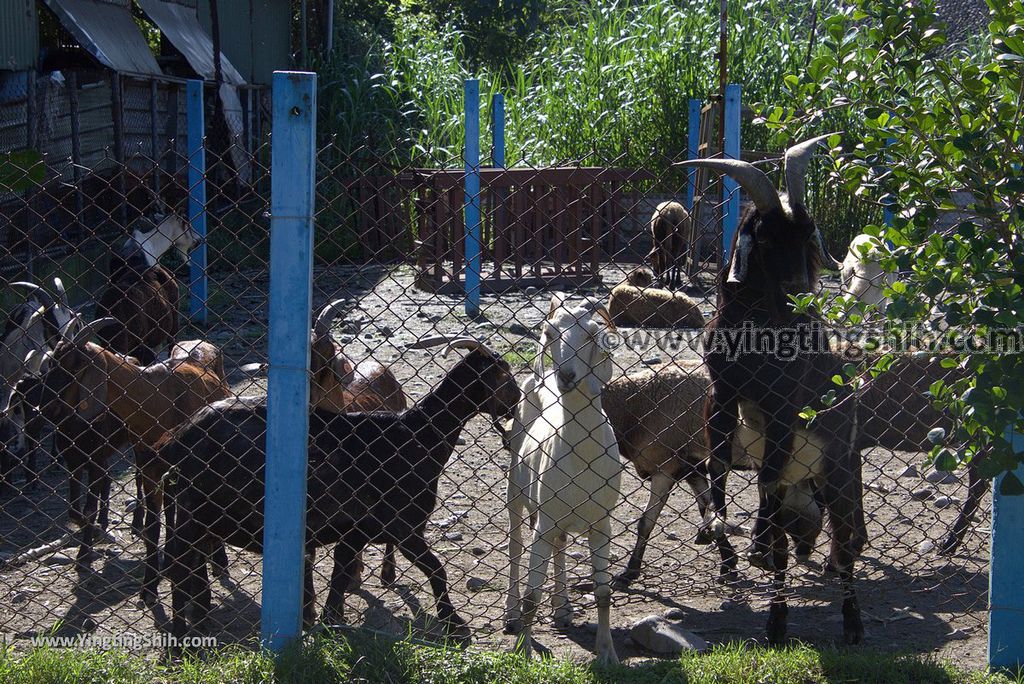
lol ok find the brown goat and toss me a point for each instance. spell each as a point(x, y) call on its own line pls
point(85, 381)
point(145, 310)
point(668, 237)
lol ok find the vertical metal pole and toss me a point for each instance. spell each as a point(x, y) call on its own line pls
point(498, 130)
point(731, 149)
point(1006, 601)
point(292, 182)
point(692, 143)
point(472, 205)
point(154, 140)
point(197, 200)
point(887, 212)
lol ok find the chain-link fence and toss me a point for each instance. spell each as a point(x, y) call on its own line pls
point(101, 440)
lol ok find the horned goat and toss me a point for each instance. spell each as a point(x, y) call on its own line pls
point(668, 242)
point(372, 477)
point(778, 251)
point(143, 296)
point(635, 302)
point(566, 471)
point(84, 382)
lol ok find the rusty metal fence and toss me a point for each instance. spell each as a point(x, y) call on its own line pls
point(108, 436)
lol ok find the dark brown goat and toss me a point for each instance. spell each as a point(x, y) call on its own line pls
point(668, 242)
point(777, 251)
point(143, 296)
point(372, 478)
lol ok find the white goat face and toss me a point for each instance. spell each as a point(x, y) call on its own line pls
point(573, 340)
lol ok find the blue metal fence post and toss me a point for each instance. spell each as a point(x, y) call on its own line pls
point(730, 188)
point(1005, 599)
point(472, 205)
point(292, 193)
point(498, 130)
point(692, 144)
point(197, 200)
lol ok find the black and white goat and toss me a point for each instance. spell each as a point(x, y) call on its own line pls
point(778, 251)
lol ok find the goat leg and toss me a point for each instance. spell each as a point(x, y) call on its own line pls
point(415, 548)
point(513, 616)
point(975, 491)
point(151, 540)
point(720, 418)
point(600, 555)
point(560, 606)
point(661, 487)
point(844, 495)
point(540, 553)
point(346, 553)
point(778, 445)
point(778, 611)
point(388, 568)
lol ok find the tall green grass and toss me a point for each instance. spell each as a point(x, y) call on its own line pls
point(603, 82)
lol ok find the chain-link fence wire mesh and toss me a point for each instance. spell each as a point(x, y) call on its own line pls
point(390, 255)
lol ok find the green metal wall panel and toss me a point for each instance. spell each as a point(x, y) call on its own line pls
point(19, 34)
point(258, 40)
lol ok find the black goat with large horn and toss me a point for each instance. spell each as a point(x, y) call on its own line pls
point(778, 251)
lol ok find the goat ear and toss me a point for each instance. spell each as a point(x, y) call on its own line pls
point(740, 258)
point(92, 396)
point(557, 299)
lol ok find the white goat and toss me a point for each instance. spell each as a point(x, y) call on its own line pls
point(565, 469)
point(165, 232)
point(863, 275)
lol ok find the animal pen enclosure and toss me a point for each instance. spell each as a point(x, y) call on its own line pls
point(71, 566)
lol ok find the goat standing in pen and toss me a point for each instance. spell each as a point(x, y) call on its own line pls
point(372, 478)
point(778, 251)
point(87, 383)
point(668, 235)
point(565, 470)
point(143, 296)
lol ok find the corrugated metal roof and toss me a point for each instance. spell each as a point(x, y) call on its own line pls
point(19, 34)
point(105, 29)
point(181, 26)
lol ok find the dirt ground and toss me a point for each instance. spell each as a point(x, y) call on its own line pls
point(912, 599)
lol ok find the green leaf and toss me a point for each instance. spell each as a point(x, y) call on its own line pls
point(945, 461)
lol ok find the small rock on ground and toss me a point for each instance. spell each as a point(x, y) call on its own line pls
point(941, 477)
point(926, 547)
point(476, 584)
point(909, 471)
point(661, 636)
point(922, 494)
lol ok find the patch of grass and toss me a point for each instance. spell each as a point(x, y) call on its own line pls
point(358, 657)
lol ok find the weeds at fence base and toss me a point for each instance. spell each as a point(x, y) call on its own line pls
point(372, 658)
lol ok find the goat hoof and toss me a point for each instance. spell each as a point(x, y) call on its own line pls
point(562, 618)
point(513, 626)
point(388, 574)
point(949, 545)
point(455, 626)
point(626, 577)
point(759, 559)
point(148, 597)
point(728, 576)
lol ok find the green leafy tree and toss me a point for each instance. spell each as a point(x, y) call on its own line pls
point(935, 121)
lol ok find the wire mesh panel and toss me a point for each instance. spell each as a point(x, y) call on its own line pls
point(408, 514)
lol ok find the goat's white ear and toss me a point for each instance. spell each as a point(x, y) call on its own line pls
point(557, 299)
point(740, 259)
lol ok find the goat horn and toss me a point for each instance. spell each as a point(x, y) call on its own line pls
point(598, 307)
point(39, 292)
point(797, 159)
point(432, 341)
point(752, 179)
point(62, 294)
point(469, 343)
point(827, 261)
point(322, 327)
point(90, 329)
